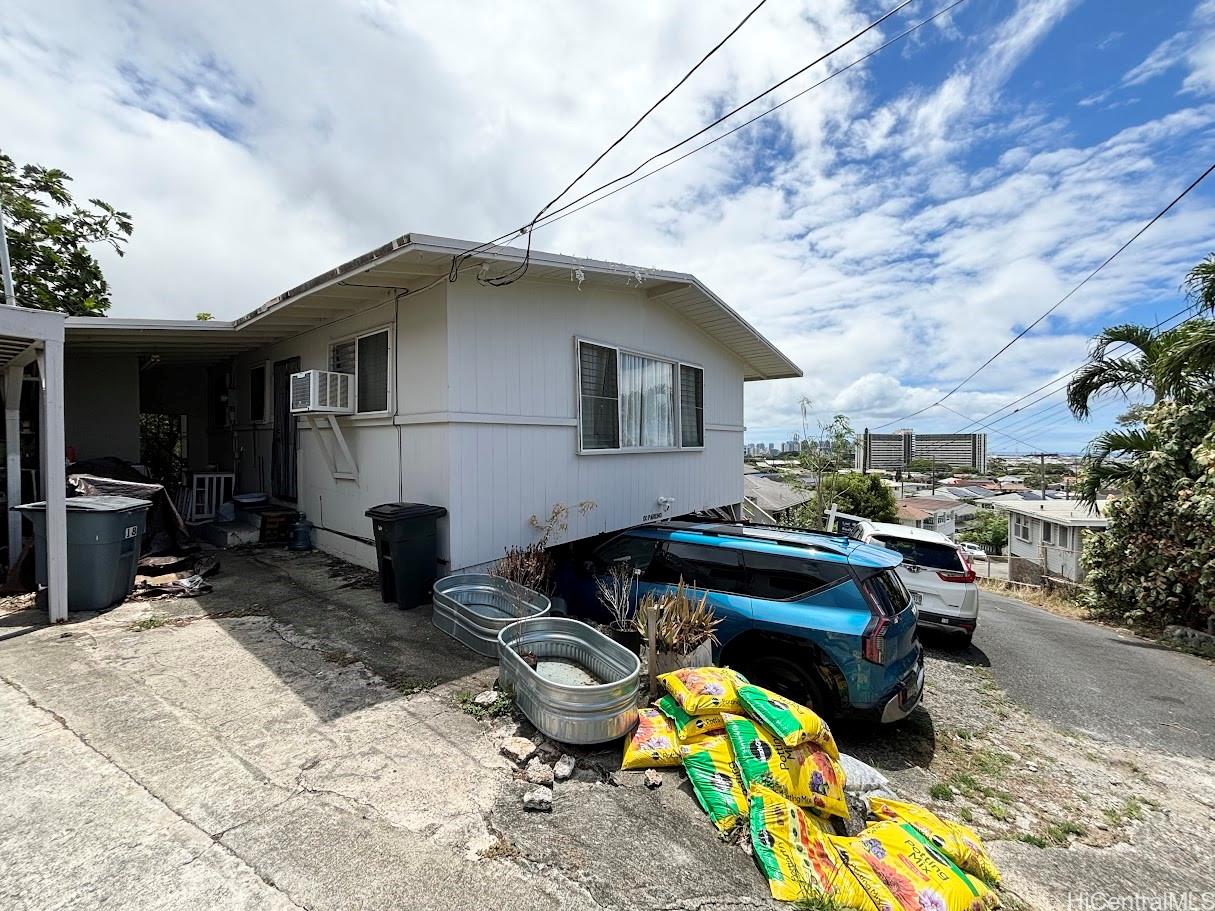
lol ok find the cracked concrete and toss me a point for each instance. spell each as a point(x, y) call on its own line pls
point(289, 741)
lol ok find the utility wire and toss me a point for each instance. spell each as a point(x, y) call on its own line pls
point(573, 207)
point(519, 270)
point(1055, 306)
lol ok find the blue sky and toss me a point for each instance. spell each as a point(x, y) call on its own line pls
point(889, 230)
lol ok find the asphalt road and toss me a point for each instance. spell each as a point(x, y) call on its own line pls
point(1094, 679)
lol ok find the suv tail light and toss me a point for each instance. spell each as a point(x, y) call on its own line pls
point(968, 575)
point(873, 643)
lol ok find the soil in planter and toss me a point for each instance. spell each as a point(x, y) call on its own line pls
point(565, 672)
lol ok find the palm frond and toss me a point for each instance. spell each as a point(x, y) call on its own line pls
point(1103, 376)
point(1141, 337)
point(1131, 441)
point(1189, 357)
point(1199, 284)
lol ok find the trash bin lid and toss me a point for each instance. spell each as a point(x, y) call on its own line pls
point(93, 504)
point(394, 512)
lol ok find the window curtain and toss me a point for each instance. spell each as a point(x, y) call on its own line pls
point(647, 402)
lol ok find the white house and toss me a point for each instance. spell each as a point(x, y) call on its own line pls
point(1046, 537)
point(583, 382)
point(939, 515)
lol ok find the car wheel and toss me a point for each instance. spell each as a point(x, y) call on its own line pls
point(789, 678)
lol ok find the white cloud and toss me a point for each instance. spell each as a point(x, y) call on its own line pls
point(254, 151)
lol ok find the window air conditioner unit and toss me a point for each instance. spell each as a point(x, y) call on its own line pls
point(322, 392)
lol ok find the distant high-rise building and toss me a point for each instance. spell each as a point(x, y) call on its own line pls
point(892, 451)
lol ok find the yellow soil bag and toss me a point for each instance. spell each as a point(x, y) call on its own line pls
point(956, 841)
point(653, 744)
point(914, 871)
point(715, 781)
point(705, 690)
point(801, 859)
point(805, 774)
point(689, 727)
point(792, 724)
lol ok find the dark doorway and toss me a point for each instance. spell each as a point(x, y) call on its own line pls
point(283, 449)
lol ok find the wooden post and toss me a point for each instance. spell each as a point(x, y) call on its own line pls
point(651, 646)
point(54, 480)
point(12, 438)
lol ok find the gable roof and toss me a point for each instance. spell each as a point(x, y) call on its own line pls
point(409, 264)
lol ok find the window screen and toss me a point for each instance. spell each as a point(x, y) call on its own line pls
point(257, 393)
point(691, 406)
point(1047, 532)
point(598, 388)
point(784, 578)
point(373, 372)
point(700, 566)
point(342, 357)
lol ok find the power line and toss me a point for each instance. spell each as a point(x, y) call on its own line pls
point(1182, 195)
point(573, 207)
point(518, 272)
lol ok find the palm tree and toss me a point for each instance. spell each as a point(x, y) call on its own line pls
point(1101, 471)
point(1124, 372)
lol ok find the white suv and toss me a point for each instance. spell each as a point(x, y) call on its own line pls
point(935, 571)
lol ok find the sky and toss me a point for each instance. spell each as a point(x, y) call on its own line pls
point(889, 230)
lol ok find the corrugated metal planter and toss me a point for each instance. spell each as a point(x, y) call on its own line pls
point(583, 688)
point(473, 608)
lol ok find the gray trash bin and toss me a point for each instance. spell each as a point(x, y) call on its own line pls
point(103, 538)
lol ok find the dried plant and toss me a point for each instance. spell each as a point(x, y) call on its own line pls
point(681, 622)
point(616, 594)
point(557, 522)
point(530, 566)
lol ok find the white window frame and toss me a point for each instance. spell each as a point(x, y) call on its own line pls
point(1022, 522)
point(390, 377)
point(267, 400)
point(1048, 532)
point(675, 363)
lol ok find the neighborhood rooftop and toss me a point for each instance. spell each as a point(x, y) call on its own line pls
point(1064, 512)
point(407, 264)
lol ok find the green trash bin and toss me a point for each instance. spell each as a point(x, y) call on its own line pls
point(103, 540)
point(407, 550)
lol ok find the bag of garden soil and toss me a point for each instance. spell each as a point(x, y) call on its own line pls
point(805, 774)
point(791, 723)
point(689, 727)
point(653, 744)
point(956, 841)
point(705, 690)
point(716, 782)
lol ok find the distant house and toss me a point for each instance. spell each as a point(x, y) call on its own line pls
point(767, 499)
point(1046, 538)
point(933, 515)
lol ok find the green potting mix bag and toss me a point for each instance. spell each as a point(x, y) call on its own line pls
point(791, 723)
point(805, 774)
point(688, 727)
point(715, 781)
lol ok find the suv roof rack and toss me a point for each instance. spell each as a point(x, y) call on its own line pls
point(786, 535)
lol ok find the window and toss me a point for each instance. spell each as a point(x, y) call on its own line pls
point(1020, 527)
point(637, 551)
point(367, 357)
point(928, 554)
point(700, 566)
point(257, 393)
point(1061, 536)
point(691, 406)
point(597, 386)
point(635, 401)
point(1047, 529)
point(888, 590)
point(784, 578)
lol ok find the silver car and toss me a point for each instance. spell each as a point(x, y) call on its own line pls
point(935, 571)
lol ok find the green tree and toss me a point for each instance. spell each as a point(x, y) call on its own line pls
point(855, 494)
point(49, 237)
point(988, 528)
point(832, 452)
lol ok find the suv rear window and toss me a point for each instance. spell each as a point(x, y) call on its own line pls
point(888, 590)
point(928, 554)
point(637, 551)
point(783, 578)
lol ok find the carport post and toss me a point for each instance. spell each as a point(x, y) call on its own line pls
point(12, 439)
point(55, 474)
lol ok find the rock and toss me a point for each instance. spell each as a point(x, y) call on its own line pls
point(548, 750)
point(518, 750)
point(486, 698)
point(539, 773)
point(1023, 823)
point(539, 800)
point(653, 779)
point(1195, 639)
point(564, 767)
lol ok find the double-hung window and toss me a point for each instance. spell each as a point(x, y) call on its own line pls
point(367, 358)
point(1020, 527)
point(630, 400)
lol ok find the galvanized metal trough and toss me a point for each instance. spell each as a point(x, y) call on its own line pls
point(473, 608)
point(583, 687)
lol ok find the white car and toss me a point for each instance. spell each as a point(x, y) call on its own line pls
point(935, 571)
point(973, 551)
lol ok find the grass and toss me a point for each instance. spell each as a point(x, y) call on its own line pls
point(991, 762)
point(1131, 809)
point(1031, 839)
point(1060, 833)
point(965, 815)
point(812, 900)
point(999, 811)
point(1054, 600)
point(152, 622)
point(503, 705)
point(940, 791)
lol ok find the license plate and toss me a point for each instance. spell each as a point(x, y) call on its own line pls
point(917, 598)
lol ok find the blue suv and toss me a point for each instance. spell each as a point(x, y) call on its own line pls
point(822, 619)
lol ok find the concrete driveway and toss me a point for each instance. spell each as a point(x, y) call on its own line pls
point(291, 742)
